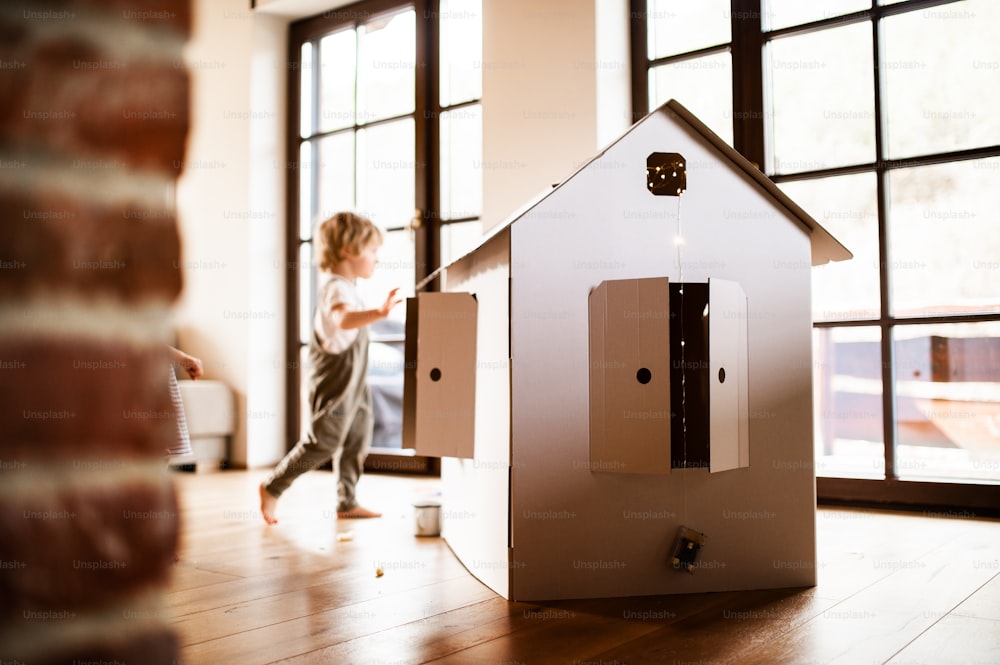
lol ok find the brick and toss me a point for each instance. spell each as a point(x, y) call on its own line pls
point(56, 243)
point(79, 543)
point(72, 401)
point(145, 15)
point(174, 15)
point(73, 98)
point(93, 128)
point(151, 647)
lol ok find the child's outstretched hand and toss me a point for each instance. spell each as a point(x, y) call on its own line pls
point(191, 365)
point(391, 301)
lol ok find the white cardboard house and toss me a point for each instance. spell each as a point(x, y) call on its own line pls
point(629, 355)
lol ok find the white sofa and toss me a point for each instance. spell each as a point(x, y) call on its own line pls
point(210, 411)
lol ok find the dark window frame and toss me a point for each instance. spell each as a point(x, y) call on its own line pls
point(427, 222)
point(749, 137)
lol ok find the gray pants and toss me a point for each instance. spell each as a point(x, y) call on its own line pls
point(343, 436)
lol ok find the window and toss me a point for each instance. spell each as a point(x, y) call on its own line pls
point(385, 121)
point(878, 117)
point(688, 48)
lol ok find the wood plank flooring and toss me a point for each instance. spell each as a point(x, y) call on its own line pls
point(894, 588)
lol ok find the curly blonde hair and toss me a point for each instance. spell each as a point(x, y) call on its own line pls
point(342, 234)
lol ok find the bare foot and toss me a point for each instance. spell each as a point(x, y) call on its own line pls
point(357, 512)
point(267, 505)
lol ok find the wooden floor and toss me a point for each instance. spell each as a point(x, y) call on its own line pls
point(893, 588)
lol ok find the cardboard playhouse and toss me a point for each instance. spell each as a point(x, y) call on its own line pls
point(619, 379)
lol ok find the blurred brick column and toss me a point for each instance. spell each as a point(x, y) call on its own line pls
point(93, 124)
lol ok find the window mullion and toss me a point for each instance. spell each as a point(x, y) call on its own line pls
point(426, 247)
point(885, 318)
point(885, 324)
point(748, 77)
point(314, 83)
point(640, 59)
point(354, 130)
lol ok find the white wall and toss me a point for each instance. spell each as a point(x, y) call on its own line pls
point(268, 267)
point(551, 97)
point(231, 209)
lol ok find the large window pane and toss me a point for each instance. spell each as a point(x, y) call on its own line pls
point(461, 48)
point(305, 408)
point(459, 239)
point(307, 202)
point(336, 174)
point(942, 78)
point(948, 401)
point(386, 66)
point(306, 100)
point(703, 85)
point(784, 13)
point(847, 398)
point(944, 238)
point(461, 162)
point(336, 83)
point(846, 207)
point(823, 99)
point(395, 269)
point(678, 26)
point(307, 291)
point(386, 173)
point(359, 125)
point(924, 222)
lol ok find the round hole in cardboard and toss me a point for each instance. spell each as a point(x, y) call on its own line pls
point(435, 374)
point(643, 376)
point(722, 375)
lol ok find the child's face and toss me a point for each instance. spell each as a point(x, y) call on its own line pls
point(363, 263)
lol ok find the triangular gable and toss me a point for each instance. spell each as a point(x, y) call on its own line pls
point(825, 248)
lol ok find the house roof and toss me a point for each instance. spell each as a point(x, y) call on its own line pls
point(825, 248)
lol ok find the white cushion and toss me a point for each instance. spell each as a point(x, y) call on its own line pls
point(208, 407)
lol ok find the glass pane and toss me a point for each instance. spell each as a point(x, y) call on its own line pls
point(386, 362)
point(336, 174)
point(948, 401)
point(305, 408)
point(944, 238)
point(386, 173)
point(846, 207)
point(679, 26)
point(307, 203)
point(461, 162)
point(784, 13)
point(703, 85)
point(461, 49)
point(336, 83)
point(307, 291)
point(459, 239)
point(395, 268)
point(847, 403)
point(942, 78)
point(823, 99)
point(386, 66)
point(306, 124)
